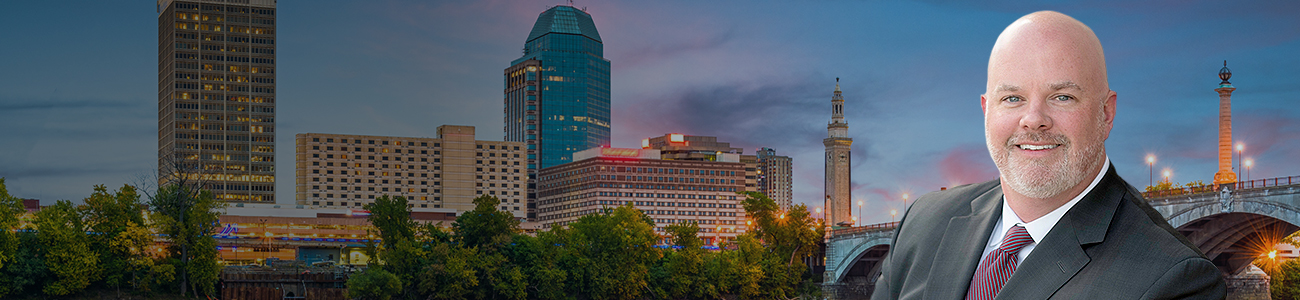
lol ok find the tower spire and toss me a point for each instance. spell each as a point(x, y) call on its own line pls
point(837, 108)
point(838, 164)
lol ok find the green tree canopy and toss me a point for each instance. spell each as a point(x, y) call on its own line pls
point(67, 249)
point(392, 217)
point(108, 215)
point(485, 225)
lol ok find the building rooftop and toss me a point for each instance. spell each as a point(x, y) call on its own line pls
point(564, 19)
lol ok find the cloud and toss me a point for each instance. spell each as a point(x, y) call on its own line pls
point(656, 51)
point(15, 105)
point(967, 164)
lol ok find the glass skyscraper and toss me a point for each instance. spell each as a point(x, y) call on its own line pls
point(557, 93)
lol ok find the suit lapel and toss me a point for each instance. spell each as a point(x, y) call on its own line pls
point(966, 235)
point(1061, 253)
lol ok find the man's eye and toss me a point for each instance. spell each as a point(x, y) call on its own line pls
point(1012, 99)
point(1063, 98)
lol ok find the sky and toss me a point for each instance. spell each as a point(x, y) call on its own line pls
point(78, 82)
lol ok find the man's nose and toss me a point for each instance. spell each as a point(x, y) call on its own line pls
point(1035, 117)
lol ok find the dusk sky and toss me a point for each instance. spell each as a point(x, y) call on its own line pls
point(78, 82)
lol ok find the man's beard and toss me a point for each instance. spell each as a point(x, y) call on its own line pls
point(1044, 177)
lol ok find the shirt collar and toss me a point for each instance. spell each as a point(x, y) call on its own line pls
point(1039, 228)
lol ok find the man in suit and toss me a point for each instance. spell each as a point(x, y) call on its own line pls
point(1058, 223)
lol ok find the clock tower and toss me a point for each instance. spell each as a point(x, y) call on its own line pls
point(839, 205)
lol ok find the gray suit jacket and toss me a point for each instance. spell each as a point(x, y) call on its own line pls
point(1110, 245)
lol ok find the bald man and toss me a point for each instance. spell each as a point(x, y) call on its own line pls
point(1059, 223)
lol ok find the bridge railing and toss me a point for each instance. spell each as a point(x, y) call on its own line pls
point(1211, 188)
point(865, 228)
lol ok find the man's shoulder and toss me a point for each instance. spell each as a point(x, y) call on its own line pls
point(940, 206)
point(1137, 219)
point(952, 197)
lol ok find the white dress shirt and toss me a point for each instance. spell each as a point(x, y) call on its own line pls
point(1039, 228)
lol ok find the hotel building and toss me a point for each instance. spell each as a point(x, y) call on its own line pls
point(669, 191)
point(443, 174)
point(216, 96)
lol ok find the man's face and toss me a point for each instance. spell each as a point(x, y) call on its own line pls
point(1047, 113)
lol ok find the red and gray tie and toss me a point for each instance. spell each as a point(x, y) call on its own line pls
point(998, 265)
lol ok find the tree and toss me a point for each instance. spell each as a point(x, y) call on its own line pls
point(25, 269)
point(108, 215)
point(374, 284)
point(392, 217)
point(142, 268)
point(788, 236)
point(489, 231)
point(451, 275)
point(682, 269)
point(1284, 283)
point(67, 253)
point(537, 258)
point(10, 208)
point(485, 226)
point(612, 250)
point(188, 216)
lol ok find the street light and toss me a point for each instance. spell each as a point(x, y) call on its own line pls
point(1240, 147)
point(1249, 163)
point(1167, 173)
point(1151, 163)
point(892, 213)
point(905, 201)
point(859, 207)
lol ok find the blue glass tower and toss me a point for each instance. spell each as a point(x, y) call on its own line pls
point(557, 93)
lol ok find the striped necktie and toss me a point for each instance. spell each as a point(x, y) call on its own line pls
point(998, 265)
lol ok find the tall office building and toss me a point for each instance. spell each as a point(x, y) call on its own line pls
point(774, 178)
point(557, 93)
point(839, 206)
point(216, 96)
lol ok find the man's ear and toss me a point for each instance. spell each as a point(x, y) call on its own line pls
point(1108, 109)
point(984, 105)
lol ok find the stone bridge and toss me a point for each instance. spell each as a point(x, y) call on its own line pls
point(1234, 224)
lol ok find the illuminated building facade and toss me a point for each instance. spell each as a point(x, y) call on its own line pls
point(444, 173)
point(676, 146)
point(774, 178)
point(557, 93)
point(669, 191)
point(252, 233)
point(216, 96)
point(839, 205)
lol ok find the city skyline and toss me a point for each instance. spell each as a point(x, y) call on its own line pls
point(80, 110)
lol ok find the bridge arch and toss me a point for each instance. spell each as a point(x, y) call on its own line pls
point(1234, 235)
point(865, 255)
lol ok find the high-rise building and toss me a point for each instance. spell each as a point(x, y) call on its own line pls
point(774, 178)
point(557, 93)
point(216, 96)
point(442, 174)
point(668, 191)
point(839, 205)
